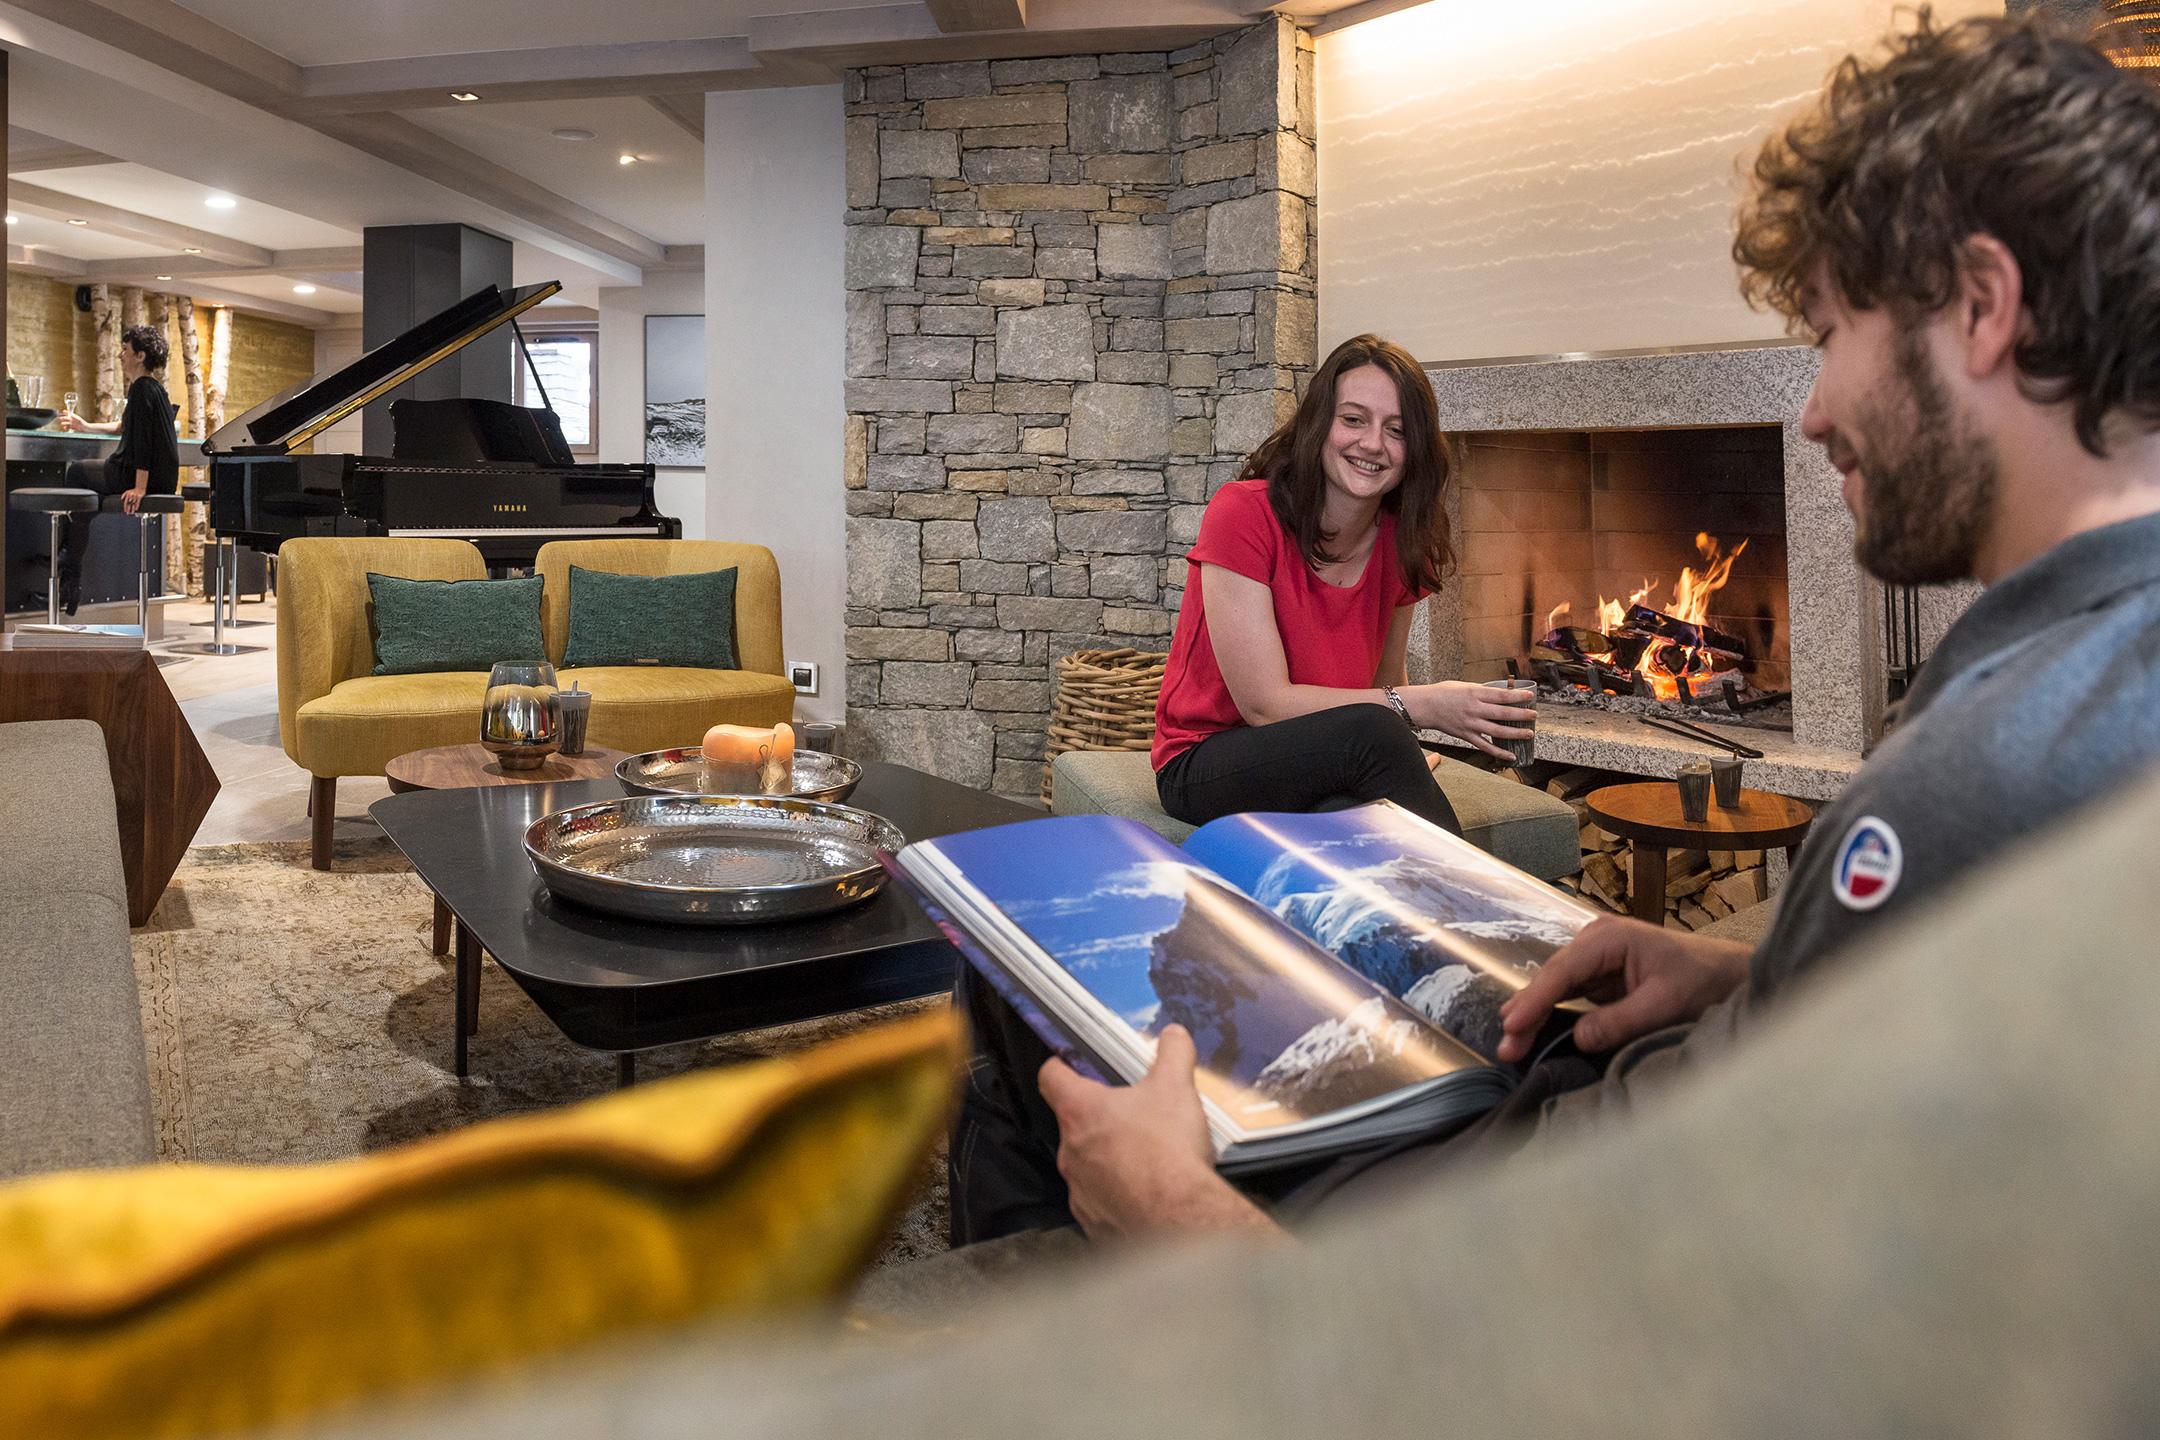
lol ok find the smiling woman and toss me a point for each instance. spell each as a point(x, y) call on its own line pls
point(1286, 687)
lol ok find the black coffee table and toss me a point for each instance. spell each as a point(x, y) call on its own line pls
point(610, 983)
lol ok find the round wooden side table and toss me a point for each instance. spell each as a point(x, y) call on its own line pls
point(1647, 816)
point(469, 767)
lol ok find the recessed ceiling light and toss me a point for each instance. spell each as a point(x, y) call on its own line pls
point(463, 97)
point(164, 277)
point(572, 132)
point(78, 222)
point(192, 250)
point(220, 202)
point(11, 219)
point(626, 159)
point(303, 289)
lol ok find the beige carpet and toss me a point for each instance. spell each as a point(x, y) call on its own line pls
point(293, 1015)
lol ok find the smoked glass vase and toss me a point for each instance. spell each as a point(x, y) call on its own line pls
point(521, 719)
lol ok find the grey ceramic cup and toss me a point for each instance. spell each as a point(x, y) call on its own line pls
point(1524, 751)
point(1725, 780)
point(1693, 779)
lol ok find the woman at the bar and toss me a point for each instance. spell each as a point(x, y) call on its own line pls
point(147, 460)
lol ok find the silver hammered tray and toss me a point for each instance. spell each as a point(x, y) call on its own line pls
point(712, 859)
point(815, 776)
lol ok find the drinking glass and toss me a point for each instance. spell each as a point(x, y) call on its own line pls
point(1524, 751)
point(1694, 782)
point(69, 401)
point(1725, 780)
point(521, 719)
point(33, 390)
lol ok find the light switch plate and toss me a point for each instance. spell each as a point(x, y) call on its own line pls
point(802, 674)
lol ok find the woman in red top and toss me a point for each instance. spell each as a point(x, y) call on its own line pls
point(1285, 688)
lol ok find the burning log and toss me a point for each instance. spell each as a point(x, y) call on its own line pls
point(1641, 619)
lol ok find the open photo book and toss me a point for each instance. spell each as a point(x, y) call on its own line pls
point(1341, 973)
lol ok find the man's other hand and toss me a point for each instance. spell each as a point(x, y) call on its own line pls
point(1644, 978)
point(1137, 1158)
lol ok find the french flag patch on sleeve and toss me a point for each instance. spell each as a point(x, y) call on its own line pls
point(1868, 864)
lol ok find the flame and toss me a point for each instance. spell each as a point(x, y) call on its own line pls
point(1691, 603)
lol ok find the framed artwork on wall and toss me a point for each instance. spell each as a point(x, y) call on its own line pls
point(675, 389)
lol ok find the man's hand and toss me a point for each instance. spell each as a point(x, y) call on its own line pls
point(1138, 1159)
point(1645, 978)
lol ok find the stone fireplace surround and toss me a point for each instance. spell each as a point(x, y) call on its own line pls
point(1835, 642)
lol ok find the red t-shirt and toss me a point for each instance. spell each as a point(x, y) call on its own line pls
point(1331, 635)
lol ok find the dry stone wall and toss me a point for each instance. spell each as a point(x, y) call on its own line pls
point(1080, 291)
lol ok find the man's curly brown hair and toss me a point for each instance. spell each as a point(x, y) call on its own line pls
point(2007, 128)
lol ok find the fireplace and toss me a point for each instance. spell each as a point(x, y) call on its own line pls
point(1632, 570)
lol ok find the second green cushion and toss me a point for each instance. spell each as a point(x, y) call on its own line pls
point(652, 619)
point(429, 625)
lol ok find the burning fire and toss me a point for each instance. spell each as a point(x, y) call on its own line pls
point(1662, 664)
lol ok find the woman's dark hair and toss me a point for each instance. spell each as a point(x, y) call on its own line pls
point(2010, 128)
point(1289, 460)
point(147, 341)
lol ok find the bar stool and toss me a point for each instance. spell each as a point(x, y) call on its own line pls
point(150, 509)
point(57, 503)
point(198, 491)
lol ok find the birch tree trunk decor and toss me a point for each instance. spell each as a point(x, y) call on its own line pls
point(105, 356)
point(131, 307)
point(195, 523)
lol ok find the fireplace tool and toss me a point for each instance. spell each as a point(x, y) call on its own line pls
point(1696, 732)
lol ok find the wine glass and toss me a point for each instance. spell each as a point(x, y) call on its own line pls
point(68, 402)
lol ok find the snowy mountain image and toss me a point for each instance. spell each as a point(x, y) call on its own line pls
point(1339, 1062)
point(1409, 925)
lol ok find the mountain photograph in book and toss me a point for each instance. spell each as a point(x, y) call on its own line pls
point(1341, 974)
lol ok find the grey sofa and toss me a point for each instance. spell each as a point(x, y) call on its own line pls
point(74, 1086)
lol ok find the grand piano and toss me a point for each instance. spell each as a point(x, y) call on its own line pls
point(498, 475)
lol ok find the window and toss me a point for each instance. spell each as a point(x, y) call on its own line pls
point(568, 360)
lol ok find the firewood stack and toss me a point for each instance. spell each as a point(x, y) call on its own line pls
point(1701, 886)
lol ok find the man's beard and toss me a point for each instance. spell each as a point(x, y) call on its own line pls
point(1930, 482)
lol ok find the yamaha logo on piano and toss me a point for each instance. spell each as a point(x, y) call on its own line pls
point(501, 508)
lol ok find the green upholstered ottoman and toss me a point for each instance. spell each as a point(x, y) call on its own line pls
point(1528, 828)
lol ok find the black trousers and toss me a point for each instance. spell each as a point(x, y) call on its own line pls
point(105, 479)
point(1328, 760)
point(1003, 1161)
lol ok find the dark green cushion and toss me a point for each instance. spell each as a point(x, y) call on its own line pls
point(652, 619)
point(426, 625)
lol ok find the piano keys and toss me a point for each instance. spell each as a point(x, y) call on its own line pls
point(497, 475)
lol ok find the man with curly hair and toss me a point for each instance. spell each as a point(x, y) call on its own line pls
point(1969, 231)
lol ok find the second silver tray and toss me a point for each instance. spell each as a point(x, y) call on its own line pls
point(712, 859)
point(815, 776)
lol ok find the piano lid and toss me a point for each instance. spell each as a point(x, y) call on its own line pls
point(297, 415)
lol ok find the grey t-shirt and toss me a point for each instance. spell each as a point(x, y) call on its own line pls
point(2044, 695)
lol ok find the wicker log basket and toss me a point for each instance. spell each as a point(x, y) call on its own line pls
point(1105, 701)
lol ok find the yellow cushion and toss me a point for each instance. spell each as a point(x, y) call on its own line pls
point(653, 707)
point(363, 724)
point(195, 1299)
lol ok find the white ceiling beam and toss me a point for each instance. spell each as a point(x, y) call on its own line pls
point(112, 220)
point(687, 112)
point(40, 261)
point(828, 41)
point(562, 72)
point(333, 268)
point(175, 37)
point(22, 161)
point(680, 259)
point(965, 15)
point(424, 153)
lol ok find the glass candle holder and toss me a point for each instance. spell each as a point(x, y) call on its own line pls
point(576, 707)
point(1725, 780)
point(521, 719)
point(1523, 751)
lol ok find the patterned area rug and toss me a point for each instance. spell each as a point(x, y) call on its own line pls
point(293, 1015)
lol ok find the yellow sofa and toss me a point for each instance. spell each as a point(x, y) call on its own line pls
point(336, 718)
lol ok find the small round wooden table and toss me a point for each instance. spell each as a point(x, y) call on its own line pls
point(1647, 816)
point(467, 767)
